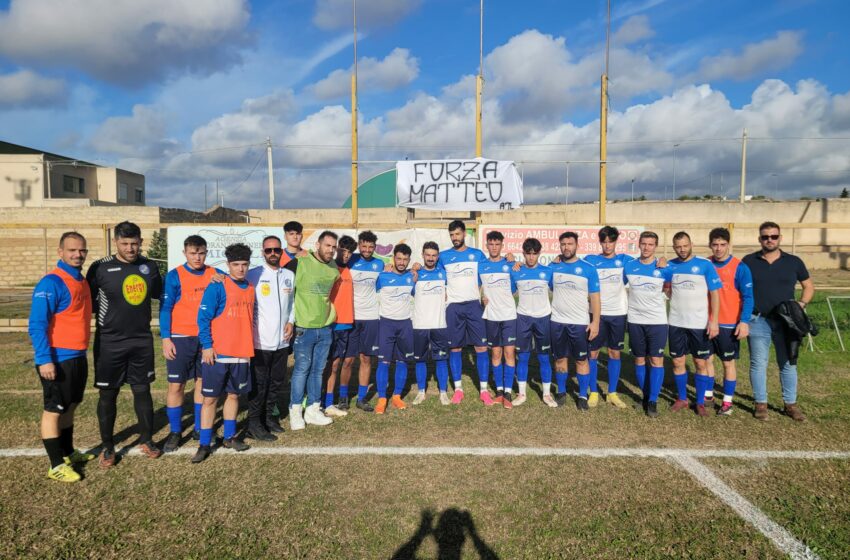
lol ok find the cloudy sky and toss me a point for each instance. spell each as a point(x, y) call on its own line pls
point(186, 92)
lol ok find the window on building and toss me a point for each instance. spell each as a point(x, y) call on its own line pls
point(140, 196)
point(74, 185)
point(122, 192)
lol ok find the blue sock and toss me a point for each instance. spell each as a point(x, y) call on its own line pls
point(508, 379)
point(382, 379)
point(456, 364)
point(482, 364)
point(329, 399)
point(681, 385)
point(561, 379)
point(343, 392)
point(198, 416)
point(613, 375)
point(702, 383)
point(361, 392)
point(583, 384)
point(421, 375)
point(594, 375)
point(729, 388)
point(206, 436)
point(545, 368)
point(174, 413)
point(522, 369)
point(499, 377)
point(229, 429)
point(640, 377)
point(400, 377)
point(656, 380)
point(442, 375)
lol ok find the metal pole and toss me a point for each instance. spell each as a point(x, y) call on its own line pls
point(271, 172)
point(205, 198)
point(49, 194)
point(603, 127)
point(479, 86)
point(354, 170)
point(743, 166)
point(567, 195)
point(633, 189)
point(674, 170)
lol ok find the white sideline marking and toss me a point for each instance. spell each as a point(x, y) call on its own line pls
point(779, 536)
point(596, 452)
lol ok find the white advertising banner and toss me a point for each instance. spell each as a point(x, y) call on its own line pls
point(458, 184)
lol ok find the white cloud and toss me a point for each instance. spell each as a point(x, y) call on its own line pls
point(141, 135)
point(125, 41)
point(26, 89)
point(396, 70)
point(336, 14)
point(755, 59)
point(634, 29)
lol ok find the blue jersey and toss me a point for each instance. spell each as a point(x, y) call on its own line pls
point(429, 299)
point(690, 283)
point(532, 287)
point(647, 302)
point(612, 288)
point(572, 283)
point(395, 294)
point(462, 273)
point(498, 286)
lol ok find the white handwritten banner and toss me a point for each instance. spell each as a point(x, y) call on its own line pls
point(458, 184)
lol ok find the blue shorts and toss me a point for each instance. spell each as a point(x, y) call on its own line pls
point(647, 340)
point(234, 379)
point(569, 341)
point(501, 333)
point(341, 347)
point(535, 329)
point(364, 337)
point(465, 324)
point(430, 344)
point(395, 340)
point(684, 341)
point(726, 345)
point(612, 333)
point(186, 364)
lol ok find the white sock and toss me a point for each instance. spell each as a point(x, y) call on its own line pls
point(521, 387)
point(483, 387)
point(459, 385)
point(727, 398)
point(509, 391)
point(499, 388)
point(546, 388)
point(709, 393)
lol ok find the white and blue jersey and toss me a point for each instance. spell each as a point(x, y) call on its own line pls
point(498, 286)
point(51, 296)
point(395, 295)
point(532, 287)
point(462, 273)
point(690, 283)
point(612, 288)
point(572, 283)
point(647, 302)
point(364, 275)
point(429, 299)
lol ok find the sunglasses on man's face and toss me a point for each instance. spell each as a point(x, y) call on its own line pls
point(275, 250)
point(771, 237)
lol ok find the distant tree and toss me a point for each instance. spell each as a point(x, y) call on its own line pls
point(642, 197)
point(158, 250)
point(844, 193)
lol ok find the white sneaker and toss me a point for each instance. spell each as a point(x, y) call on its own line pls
point(444, 399)
point(419, 398)
point(313, 415)
point(296, 421)
point(549, 401)
point(519, 400)
point(332, 410)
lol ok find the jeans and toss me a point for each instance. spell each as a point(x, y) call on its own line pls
point(311, 349)
point(762, 332)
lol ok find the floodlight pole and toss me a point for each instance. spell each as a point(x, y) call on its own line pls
point(354, 170)
point(603, 127)
point(271, 172)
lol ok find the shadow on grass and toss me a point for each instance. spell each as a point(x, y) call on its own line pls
point(450, 532)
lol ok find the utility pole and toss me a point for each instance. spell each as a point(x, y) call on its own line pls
point(479, 85)
point(674, 170)
point(205, 198)
point(633, 189)
point(354, 157)
point(603, 127)
point(217, 196)
point(743, 166)
point(271, 172)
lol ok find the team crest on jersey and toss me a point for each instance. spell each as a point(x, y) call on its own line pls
point(287, 283)
point(656, 273)
point(440, 275)
point(409, 280)
point(471, 257)
point(135, 289)
point(618, 263)
point(505, 268)
point(578, 270)
point(144, 269)
point(374, 266)
point(542, 275)
point(694, 269)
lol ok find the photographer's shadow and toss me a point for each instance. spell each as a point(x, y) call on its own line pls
point(451, 531)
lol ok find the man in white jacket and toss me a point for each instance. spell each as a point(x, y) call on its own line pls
point(274, 318)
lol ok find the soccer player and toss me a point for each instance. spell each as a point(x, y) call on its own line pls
point(395, 336)
point(315, 276)
point(533, 281)
point(343, 350)
point(497, 289)
point(647, 319)
point(274, 323)
point(225, 328)
point(60, 329)
point(430, 337)
point(736, 307)
point(575, 317)
point(122, 286)
point(365, 268)
point(293, 232)
point(694, 306)
point(612, 327)
point(464, 313)
point(178, 326)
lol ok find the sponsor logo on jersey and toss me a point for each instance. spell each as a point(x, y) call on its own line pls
point(135, 289)
point(265, 289)
point(242, 385)
point(113, 269)
point(144, 269)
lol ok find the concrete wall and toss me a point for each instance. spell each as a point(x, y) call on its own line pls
point(15, 169)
